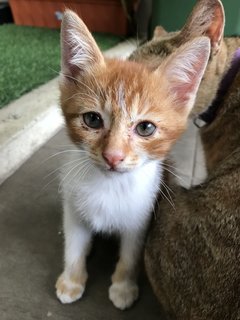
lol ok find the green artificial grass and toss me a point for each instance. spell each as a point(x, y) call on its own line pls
point(30, 56)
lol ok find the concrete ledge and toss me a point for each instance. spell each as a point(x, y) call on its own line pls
point(20, 147)
point(26, 124)
point(29, 122)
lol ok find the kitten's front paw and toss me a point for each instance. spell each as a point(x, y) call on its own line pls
point(123, 294)
point(68, 291)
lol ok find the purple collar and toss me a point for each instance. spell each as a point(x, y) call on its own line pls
point(207, 116)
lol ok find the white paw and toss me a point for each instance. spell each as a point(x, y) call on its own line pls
point(68, 291)
point(123, 294)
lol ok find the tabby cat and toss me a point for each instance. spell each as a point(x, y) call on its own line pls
point(207, 18)
point(193, 250)
point(123, 118)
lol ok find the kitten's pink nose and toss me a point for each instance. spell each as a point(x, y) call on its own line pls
point(113, 158)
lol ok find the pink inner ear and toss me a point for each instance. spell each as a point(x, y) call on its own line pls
point(183, 92)
point(184, 89)
point(68, 68)
point(215, 31)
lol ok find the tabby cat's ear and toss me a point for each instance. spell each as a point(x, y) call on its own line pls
point(182, 72)
point(159, 32)
point(206, 19)
point(79, 50)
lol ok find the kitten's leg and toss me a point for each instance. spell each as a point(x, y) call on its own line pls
point(71, 283)
point(124, 289)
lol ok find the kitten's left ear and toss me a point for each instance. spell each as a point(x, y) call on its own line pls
point(182, 72)
point(79, 50)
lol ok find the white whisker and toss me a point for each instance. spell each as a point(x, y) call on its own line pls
point(83, 165)
point(47, 184)
point(169, 200)
point(84, 171)
point(168, 190)
point(71, 170)
point(88, 88)
point(101, 91)
point(174, 174)
point(78, 81)
point(64, 151)
point(59, 168)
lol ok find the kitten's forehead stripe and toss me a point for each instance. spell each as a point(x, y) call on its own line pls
point(128, 95)
point(121, 96)
point(135, 107)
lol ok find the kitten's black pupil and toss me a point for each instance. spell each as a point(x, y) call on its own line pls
point(145, 129)
point(93, 120)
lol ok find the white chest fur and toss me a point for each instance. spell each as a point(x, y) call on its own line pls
point(112, 201)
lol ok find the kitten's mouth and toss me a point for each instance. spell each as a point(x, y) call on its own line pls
point(116, 170)
point(112, 169)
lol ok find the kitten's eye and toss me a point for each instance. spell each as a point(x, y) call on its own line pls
point(93, 120)
point(145, 129)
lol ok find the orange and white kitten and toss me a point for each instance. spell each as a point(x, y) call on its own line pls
point(123, 119)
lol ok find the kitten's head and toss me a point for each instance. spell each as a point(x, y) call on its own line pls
point(121, 113)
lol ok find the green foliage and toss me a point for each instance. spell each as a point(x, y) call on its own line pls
point(31, 56)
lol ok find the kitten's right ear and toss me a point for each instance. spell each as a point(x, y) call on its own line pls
point(206, 19)
point(79, 50)
point(182, 73)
